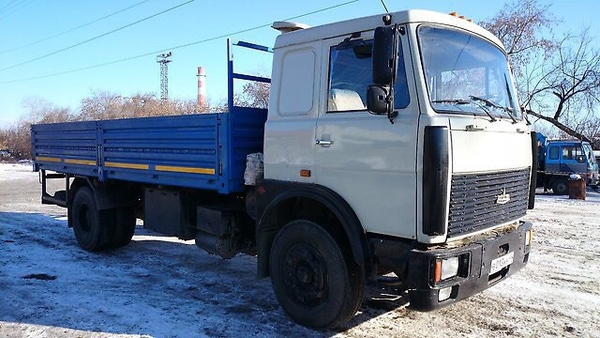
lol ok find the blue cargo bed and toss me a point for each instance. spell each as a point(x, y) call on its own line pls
point(204, 151)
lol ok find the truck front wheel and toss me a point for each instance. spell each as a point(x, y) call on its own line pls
point(560, 186)
point(90, 225)
point(314, 282)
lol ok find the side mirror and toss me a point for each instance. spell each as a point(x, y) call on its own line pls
point(384, 55)
point(580, 158)
point(378, 99)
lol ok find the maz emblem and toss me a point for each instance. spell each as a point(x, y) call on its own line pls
point(503, 198)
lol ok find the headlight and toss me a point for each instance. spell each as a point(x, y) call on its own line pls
point(445, 268)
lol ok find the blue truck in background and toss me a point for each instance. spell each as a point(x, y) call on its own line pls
point(559, 159)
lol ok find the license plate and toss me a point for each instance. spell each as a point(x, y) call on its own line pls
point(501, 262)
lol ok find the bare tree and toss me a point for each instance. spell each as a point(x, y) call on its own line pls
point(557, 78)
point(520, 26)
point(102, 105)
point(18, 143)
point(254, 94)
point(17, 137)
point(4, 138)
point(40, 110)
point(569, 89)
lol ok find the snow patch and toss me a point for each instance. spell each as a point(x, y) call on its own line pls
point(163, 287)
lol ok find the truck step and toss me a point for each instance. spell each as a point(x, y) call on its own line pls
point(59, 198)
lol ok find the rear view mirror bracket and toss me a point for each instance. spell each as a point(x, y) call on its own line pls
point(380, 95)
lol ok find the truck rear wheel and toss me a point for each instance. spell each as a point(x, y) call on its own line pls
point(560, 186)
point(314, 282)
point(92, 227)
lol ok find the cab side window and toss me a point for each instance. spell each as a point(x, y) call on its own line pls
point(350, 72)
point(572, 152)
point(554, 153)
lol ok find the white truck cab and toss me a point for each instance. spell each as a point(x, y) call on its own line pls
point(393, 143)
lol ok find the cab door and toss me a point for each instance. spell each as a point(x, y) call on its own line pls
point(363, 157)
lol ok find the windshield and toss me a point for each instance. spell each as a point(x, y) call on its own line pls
point(466, 74)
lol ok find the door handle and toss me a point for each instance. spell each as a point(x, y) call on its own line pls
point(324, 143)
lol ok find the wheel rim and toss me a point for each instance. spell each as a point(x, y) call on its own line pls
point(305, 274)
point(561, 187)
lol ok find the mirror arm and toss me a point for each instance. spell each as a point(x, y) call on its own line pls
point(391, 113)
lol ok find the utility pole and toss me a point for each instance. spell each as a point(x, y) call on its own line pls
point(164, 59)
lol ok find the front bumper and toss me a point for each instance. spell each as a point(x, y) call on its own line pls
point(474, 268)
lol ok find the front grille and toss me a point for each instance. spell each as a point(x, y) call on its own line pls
point(474, 200)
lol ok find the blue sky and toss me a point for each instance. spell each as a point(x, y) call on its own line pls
point(24, 64)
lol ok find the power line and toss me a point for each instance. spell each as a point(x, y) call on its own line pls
point(176, 47)
point(11, 6)
point(5, 7)
point(96, 37)
point(7, 10)
point(384, 6)
point(73, 29)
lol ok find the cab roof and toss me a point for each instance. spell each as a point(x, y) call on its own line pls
point(371, 22)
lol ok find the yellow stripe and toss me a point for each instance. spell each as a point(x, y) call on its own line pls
point(126, 165)
point(47, 159)
point(83, 162)
point(188, 170)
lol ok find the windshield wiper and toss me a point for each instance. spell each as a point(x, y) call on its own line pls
point(495, 105)
point(452, 101)
point(463, 101)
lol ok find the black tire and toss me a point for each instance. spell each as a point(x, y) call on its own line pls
point(92, 227)
point(124, 226)
point(560, 186)
point(315, 284)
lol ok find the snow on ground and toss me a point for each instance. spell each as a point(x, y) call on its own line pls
point(14, 171)
point(164, 287)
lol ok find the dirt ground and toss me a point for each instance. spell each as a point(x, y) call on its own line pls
point(163, 287)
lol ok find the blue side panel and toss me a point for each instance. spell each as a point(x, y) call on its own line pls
point(65, 147)
point(245, 136)
point(171, 150)
point(205, 151)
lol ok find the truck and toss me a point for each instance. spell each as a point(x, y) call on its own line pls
point(559, 159)
point(376, 167)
